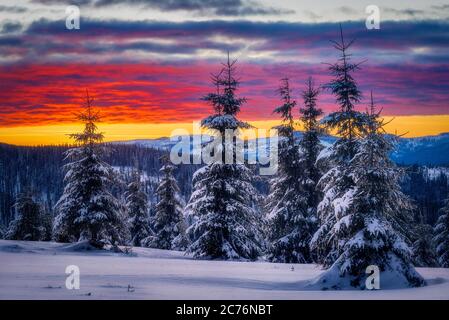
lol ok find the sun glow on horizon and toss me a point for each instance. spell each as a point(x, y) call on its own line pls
point(409, 126)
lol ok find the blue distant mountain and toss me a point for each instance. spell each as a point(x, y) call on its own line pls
point(429, 150)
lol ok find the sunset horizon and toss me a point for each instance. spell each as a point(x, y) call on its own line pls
point(411, 126)
point(148, 69)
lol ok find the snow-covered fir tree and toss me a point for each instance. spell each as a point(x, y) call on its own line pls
point(87, 210)
point(47, 224)
point(138, 211)
point(27, 224)
point(441, 237)
point(424, 254)
point(225, 222)
point(310, 145)
point(373, 228)
point(2, 232)
point(168, 223)
point(347, 121)
point(290, 227)
point(337, 184)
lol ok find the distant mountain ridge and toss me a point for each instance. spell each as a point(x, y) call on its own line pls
point(428, 150)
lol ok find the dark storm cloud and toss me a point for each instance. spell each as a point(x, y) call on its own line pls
point(11, 41)
point(42, 49)
point(12, 9)
point(166, 48)
point(204, 7)
point(11, 26)
point(441, 7)
point(405, 12)
point(347, 10)
point(301, 35)
point(72, 2)
point(241, 28)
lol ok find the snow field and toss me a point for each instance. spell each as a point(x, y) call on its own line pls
point(36, 270)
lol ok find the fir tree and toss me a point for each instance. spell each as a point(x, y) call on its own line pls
point(2, 232)
point(287, 128)
point(138, 211)
point(423, 248)
point(87, 210)
point(225, 223)
point(47, 224)
point(224, 102)
point(348, 122)
point(373, 229)
point(310, 147)
point(27, 224)
point(441, 237)
point(310, 143)
point(168, 222)
point(290, 226)
point(337, 184)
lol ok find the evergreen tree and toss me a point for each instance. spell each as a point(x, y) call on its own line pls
point(441, 237)
point(373, 229)
point(348, 122)
point(221, 206)
point(168, 222)
point(310, 144)
point(287, 128)
point(27, 224)
point(337, 184)
point(423, 248)
point(87, 210)
point(288, 219)
point(2, 232)
point(310, 148)
point(138, 211)
point(47, 224)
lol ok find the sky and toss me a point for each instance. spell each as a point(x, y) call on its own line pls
point(147, 63)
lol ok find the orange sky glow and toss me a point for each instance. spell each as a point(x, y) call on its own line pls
point(409, 126)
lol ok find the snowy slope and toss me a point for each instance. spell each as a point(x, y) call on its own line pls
point(431, 150)
point(161, 143)
point(127, 172)
point(36, 270)
point(435, 173)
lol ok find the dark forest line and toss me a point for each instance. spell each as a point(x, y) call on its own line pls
point(40, 169)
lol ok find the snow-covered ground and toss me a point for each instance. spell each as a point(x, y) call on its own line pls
point(36, 270)
point(435, 173)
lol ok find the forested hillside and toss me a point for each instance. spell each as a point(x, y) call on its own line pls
point(40, 169)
